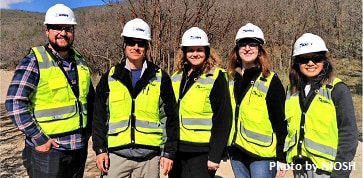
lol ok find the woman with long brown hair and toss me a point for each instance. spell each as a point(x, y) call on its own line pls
point(258, 131)
point(322, 130)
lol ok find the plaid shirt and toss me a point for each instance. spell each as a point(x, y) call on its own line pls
point(21, 89)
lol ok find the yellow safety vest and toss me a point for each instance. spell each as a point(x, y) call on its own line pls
point(320, 128)
point(251, 127)
point(195, 111)
point(148, 128)
point(56, 108)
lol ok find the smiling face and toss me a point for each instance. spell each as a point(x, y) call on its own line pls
point(135, 49)
point(60, 37)
point(248, 52)
point(195, 56)
point(310, 65)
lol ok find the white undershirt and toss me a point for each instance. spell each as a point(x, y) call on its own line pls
point(307, 89)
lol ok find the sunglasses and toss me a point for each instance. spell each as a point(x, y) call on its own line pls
point(139, 43)
point(252, 45)
point(60, 28)
point(305, 60)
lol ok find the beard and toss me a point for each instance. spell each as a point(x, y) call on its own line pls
point(57, 47)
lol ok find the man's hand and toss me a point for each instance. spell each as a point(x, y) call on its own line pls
point(46, 146)
point(212, 165)
point(281, 169)
point(102, 162)
point(166, 165)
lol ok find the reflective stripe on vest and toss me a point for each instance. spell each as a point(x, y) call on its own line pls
point(148, 128)
point(195, 112)
point(252, 129)
point(321, 134)
point(55, 105)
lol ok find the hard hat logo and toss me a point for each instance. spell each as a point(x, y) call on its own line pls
point(304, 44)
point(195, 37)
point(248, 30)
point(62, 15)
point(139, 29)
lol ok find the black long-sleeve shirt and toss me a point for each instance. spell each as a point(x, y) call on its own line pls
point(275, 101)
point(168, 110)
point(221, 119)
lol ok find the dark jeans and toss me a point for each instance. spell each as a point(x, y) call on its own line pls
point(54, 163)
point(191, 165)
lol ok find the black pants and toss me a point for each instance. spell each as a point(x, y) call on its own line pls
point(191, 165)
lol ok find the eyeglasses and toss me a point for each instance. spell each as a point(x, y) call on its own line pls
point(133, 43)
point(59, 29)
point(305, 60)
point(252, 45)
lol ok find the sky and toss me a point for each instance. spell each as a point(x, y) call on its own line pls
point(43, 5)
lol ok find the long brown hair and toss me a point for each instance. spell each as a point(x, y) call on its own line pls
point(211, 61)
point(235, 61)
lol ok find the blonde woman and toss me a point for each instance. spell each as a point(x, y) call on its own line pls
point(205, 114)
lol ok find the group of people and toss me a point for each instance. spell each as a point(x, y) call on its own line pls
point(143, 121)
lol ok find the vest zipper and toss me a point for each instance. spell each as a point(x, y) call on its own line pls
point(132, 118)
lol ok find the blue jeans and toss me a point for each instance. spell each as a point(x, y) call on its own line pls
point(244, 168)
point(54, 163)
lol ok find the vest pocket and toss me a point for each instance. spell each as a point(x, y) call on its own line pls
point(58, 88)
point(318, 125)
point(197, 100)
point(320, 150)
point(262, 138)
point(148, 100)
point(118, 127)
point(255, 110)
point(198, 124)
point(117, 105)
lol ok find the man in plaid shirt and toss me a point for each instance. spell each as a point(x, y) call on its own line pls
point(50, 99)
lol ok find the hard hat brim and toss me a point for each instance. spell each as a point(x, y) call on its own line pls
point(258, 40)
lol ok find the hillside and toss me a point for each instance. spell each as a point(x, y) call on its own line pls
point(97, 33)
point(99, 28)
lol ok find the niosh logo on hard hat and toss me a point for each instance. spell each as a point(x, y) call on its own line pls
point(195, 37)
point(61, 15)
point(138, 29)
point(305, 44)
point(248, 30)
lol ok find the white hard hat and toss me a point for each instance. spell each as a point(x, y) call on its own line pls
point(137, 28)
point(60, 14)
point(194, 37)
point(250, 31)
point(309, 43)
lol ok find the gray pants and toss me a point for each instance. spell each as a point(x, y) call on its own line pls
point(121, 167)
point(308, 174)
